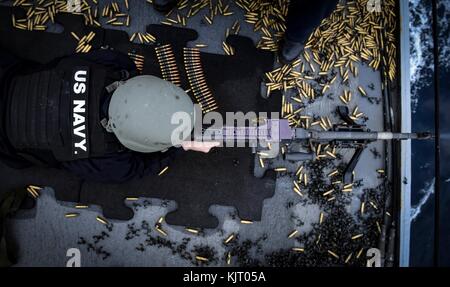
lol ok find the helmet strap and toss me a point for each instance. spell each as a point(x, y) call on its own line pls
point(112, 87)
point(106, 125)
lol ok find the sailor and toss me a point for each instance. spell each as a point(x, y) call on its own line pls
point(303, 17)
point(92, 115)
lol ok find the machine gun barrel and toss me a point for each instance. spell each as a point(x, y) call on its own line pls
point(278, 130)
point(355, 135)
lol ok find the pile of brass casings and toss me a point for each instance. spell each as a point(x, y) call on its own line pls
point(268, 17)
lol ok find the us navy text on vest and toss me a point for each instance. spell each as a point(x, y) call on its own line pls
point(80, 94)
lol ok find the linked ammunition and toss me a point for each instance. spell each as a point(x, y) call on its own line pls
point(197, 80)
point(167, 62)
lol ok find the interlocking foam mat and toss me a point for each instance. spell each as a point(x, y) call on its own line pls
point(195, 181)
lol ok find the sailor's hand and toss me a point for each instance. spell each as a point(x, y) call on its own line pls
point(199, 146)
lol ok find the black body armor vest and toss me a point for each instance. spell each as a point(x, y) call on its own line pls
point(53, 114)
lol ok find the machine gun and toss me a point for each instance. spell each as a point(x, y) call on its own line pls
point(277, 132)
point(347, 135)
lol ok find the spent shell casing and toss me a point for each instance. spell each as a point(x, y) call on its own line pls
point(101, 220)
point(244, 221)
point(32, 192)
point(229, 238)
point(160, 230)
point(348, 258)
point(359, 253)
point(333, 254)
point(163, 171)
point(261, 162)
point(192, 230)
point(293, 233)
point(201, 258)
point(71, 215)
point(297, 190)
point(328, 192)
point(357, 236)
